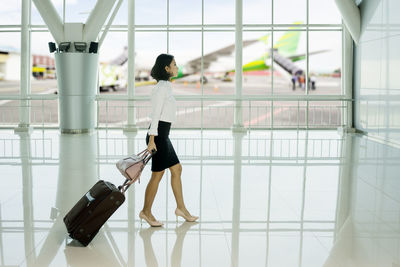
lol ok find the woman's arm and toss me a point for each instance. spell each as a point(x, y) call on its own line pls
point(157, 103)
point(152, 144)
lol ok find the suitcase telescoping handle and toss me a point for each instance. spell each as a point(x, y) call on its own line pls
point(146, 156)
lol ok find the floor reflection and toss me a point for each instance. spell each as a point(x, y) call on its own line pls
point(326, 198)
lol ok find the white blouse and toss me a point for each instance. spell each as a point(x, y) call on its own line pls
point(163, 105)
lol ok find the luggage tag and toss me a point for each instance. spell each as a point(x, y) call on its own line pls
point(90, 198)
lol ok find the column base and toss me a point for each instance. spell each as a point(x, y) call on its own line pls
point(77, 131)
point(23, 128)
point(130, 128)
point(238, 129)
point(346, 130)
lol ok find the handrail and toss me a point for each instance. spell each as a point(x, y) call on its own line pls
point(193, 97)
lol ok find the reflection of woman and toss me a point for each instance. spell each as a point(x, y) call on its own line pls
point(150, 257)
point(176, 256)
point(163, 114)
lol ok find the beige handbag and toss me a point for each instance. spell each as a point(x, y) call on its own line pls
point(132, 167)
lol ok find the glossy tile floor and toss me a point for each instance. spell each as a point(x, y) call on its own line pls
point(282, 198)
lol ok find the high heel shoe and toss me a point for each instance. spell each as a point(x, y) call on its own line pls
point(143, 216)
point(190, 218)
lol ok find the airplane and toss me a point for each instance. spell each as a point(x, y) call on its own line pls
point(283, 51)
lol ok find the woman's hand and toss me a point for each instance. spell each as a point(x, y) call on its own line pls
point(151, 145)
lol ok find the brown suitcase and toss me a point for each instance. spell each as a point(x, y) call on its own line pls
point(89, 214)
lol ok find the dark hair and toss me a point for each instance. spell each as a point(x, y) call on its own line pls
point(158, 71)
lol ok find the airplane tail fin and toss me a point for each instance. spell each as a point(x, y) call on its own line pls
point(288, 43)
point(264, 39)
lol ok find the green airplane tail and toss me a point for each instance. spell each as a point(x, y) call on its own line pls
point(288, 43)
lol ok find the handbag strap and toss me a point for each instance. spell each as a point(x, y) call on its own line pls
point(144, 152)
point(145, 157)
point(148, 156)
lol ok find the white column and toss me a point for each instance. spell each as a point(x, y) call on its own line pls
point(96, 19)
point(347, 82)
point(51, 18)
point(238, 116)
point(24, 110)
point(348, 74)
point(131, 126)
point(351, 17)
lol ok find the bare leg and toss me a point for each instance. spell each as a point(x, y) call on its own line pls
point(176, 185)
point(151, 191)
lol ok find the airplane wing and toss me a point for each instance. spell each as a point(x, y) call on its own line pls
point(195, 64)
point(298, 57)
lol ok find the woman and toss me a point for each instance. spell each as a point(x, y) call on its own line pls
point(163, 114)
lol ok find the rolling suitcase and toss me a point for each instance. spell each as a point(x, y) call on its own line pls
point(89, 214)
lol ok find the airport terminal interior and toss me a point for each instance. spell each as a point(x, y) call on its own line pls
point(285, 130)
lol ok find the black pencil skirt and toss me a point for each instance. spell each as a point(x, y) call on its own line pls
point(165, 156)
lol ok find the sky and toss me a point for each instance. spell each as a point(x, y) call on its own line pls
point(187, 45)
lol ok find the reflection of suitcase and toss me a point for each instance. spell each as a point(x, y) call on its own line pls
point(85, 219)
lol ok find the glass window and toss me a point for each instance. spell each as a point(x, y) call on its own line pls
point(287, 77)
point(36, 18)
point(10, 63)
point(219, 65)
point(122, 16)
point(10, 13)
point(186, 48)
point(257, 12)
point(151, 14)
point(184, 12)
point(78, 11)
point(148, 45)
point(257, 63)
point(113, 67)
point(325, 56)
point(323, 12)
point(290, 11)
point(43, 64)
point(289, 62)
point(219, 11)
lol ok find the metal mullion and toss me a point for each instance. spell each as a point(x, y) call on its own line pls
point(63, 12)
point(167, 29)
point(294, 30)
point(42, 113)
point(307, 49)
point(249, 126)
point(283, 26)
point(11, 26)
point(191, 30)
point(202, 66)
point(272, 52)
point(5, 31)
point(272, 63)
point(279, 27)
